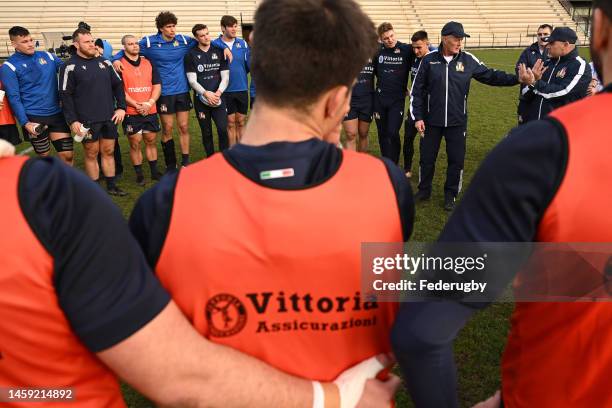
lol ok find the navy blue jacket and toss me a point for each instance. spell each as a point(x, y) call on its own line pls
point(529, 57)
point(440, 89)
point(565, 80)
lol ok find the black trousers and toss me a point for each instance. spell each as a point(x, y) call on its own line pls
point(389, 115)
point(410, 133)
point(455, 150)
point(206, 115)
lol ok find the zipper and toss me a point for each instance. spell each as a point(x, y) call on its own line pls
point(428, 96)
point(464, 104)
point(549, 78)
point(446, 102)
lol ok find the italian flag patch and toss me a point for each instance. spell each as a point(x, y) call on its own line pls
point(276, 174)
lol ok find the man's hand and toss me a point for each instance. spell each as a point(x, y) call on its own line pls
point(493, 402)
point(218, 93)
point(538, 69)
point(31, 128)
point(526, 75)
point(212, 98)
point(118, 65)
point(118, 116)
point(592, 89)
point(6, 149)
point(420, 127)
point(228, 55)
point(76, 128)
point(358, 386)
point(143, 108)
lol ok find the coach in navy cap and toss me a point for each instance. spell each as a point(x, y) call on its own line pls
point(563, 34)
point(455, 29)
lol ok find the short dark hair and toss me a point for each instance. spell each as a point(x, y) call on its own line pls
point(545, 26)
point(79, 31)
point(84, 25)
point(605, 6)
point(228, 21)
point(164, 18)
point(18, 31)
point(383, 28)
point(99, 43)
point(197, 28)
point(329, 43)
point(420, 36)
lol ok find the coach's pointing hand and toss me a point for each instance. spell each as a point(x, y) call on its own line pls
point(118, 116)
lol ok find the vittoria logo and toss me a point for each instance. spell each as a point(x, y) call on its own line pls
point(200, 68)
point(226, 315)
point(163, 107)
point(381, 59)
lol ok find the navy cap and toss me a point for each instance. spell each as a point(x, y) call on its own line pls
point(564, 34)
point(454, 28)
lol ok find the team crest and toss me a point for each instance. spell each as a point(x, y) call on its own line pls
point(237, 45)
point(101, 65)
point(201, 115)
point(200, 68)
point(460, 67)
point(163, 107)
point(175, 43)
point(214, 56)
point(561, 74)
point(129, 129)
point(397, 51)
point(225, 315)
point(42, 61)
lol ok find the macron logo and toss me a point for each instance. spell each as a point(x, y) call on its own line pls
point(140, 89)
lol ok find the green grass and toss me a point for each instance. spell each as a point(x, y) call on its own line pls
point(492, 113)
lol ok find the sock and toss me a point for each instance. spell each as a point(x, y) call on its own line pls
point(110, 182)
point(185, 159)
point(169, 154)
point(138, 169)
point(153, 166)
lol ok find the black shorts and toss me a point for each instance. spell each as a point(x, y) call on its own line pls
point(170, 104)
point(101, 130)
point(236, 102)
point(55, 124)
point(361, 109)
point(138, 124)
point(10, 134)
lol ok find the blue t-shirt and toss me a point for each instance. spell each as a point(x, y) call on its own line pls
point(239, 66)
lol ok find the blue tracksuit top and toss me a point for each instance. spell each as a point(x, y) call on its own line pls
point(238, 68)
point(30, 83)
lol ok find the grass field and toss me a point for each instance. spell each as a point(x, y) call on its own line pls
point(492, 113)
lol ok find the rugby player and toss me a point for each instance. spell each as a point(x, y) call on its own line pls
point(236, 95)
point(8, 129)
point(358, 120)
point(79, 305)
point(257, 275)
point(94, 103)
point(29, 78)
point(142, 88)
point(547, 181)
point(166, 50)
point(208, 76)
point(421, 47)
point(392, 68)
